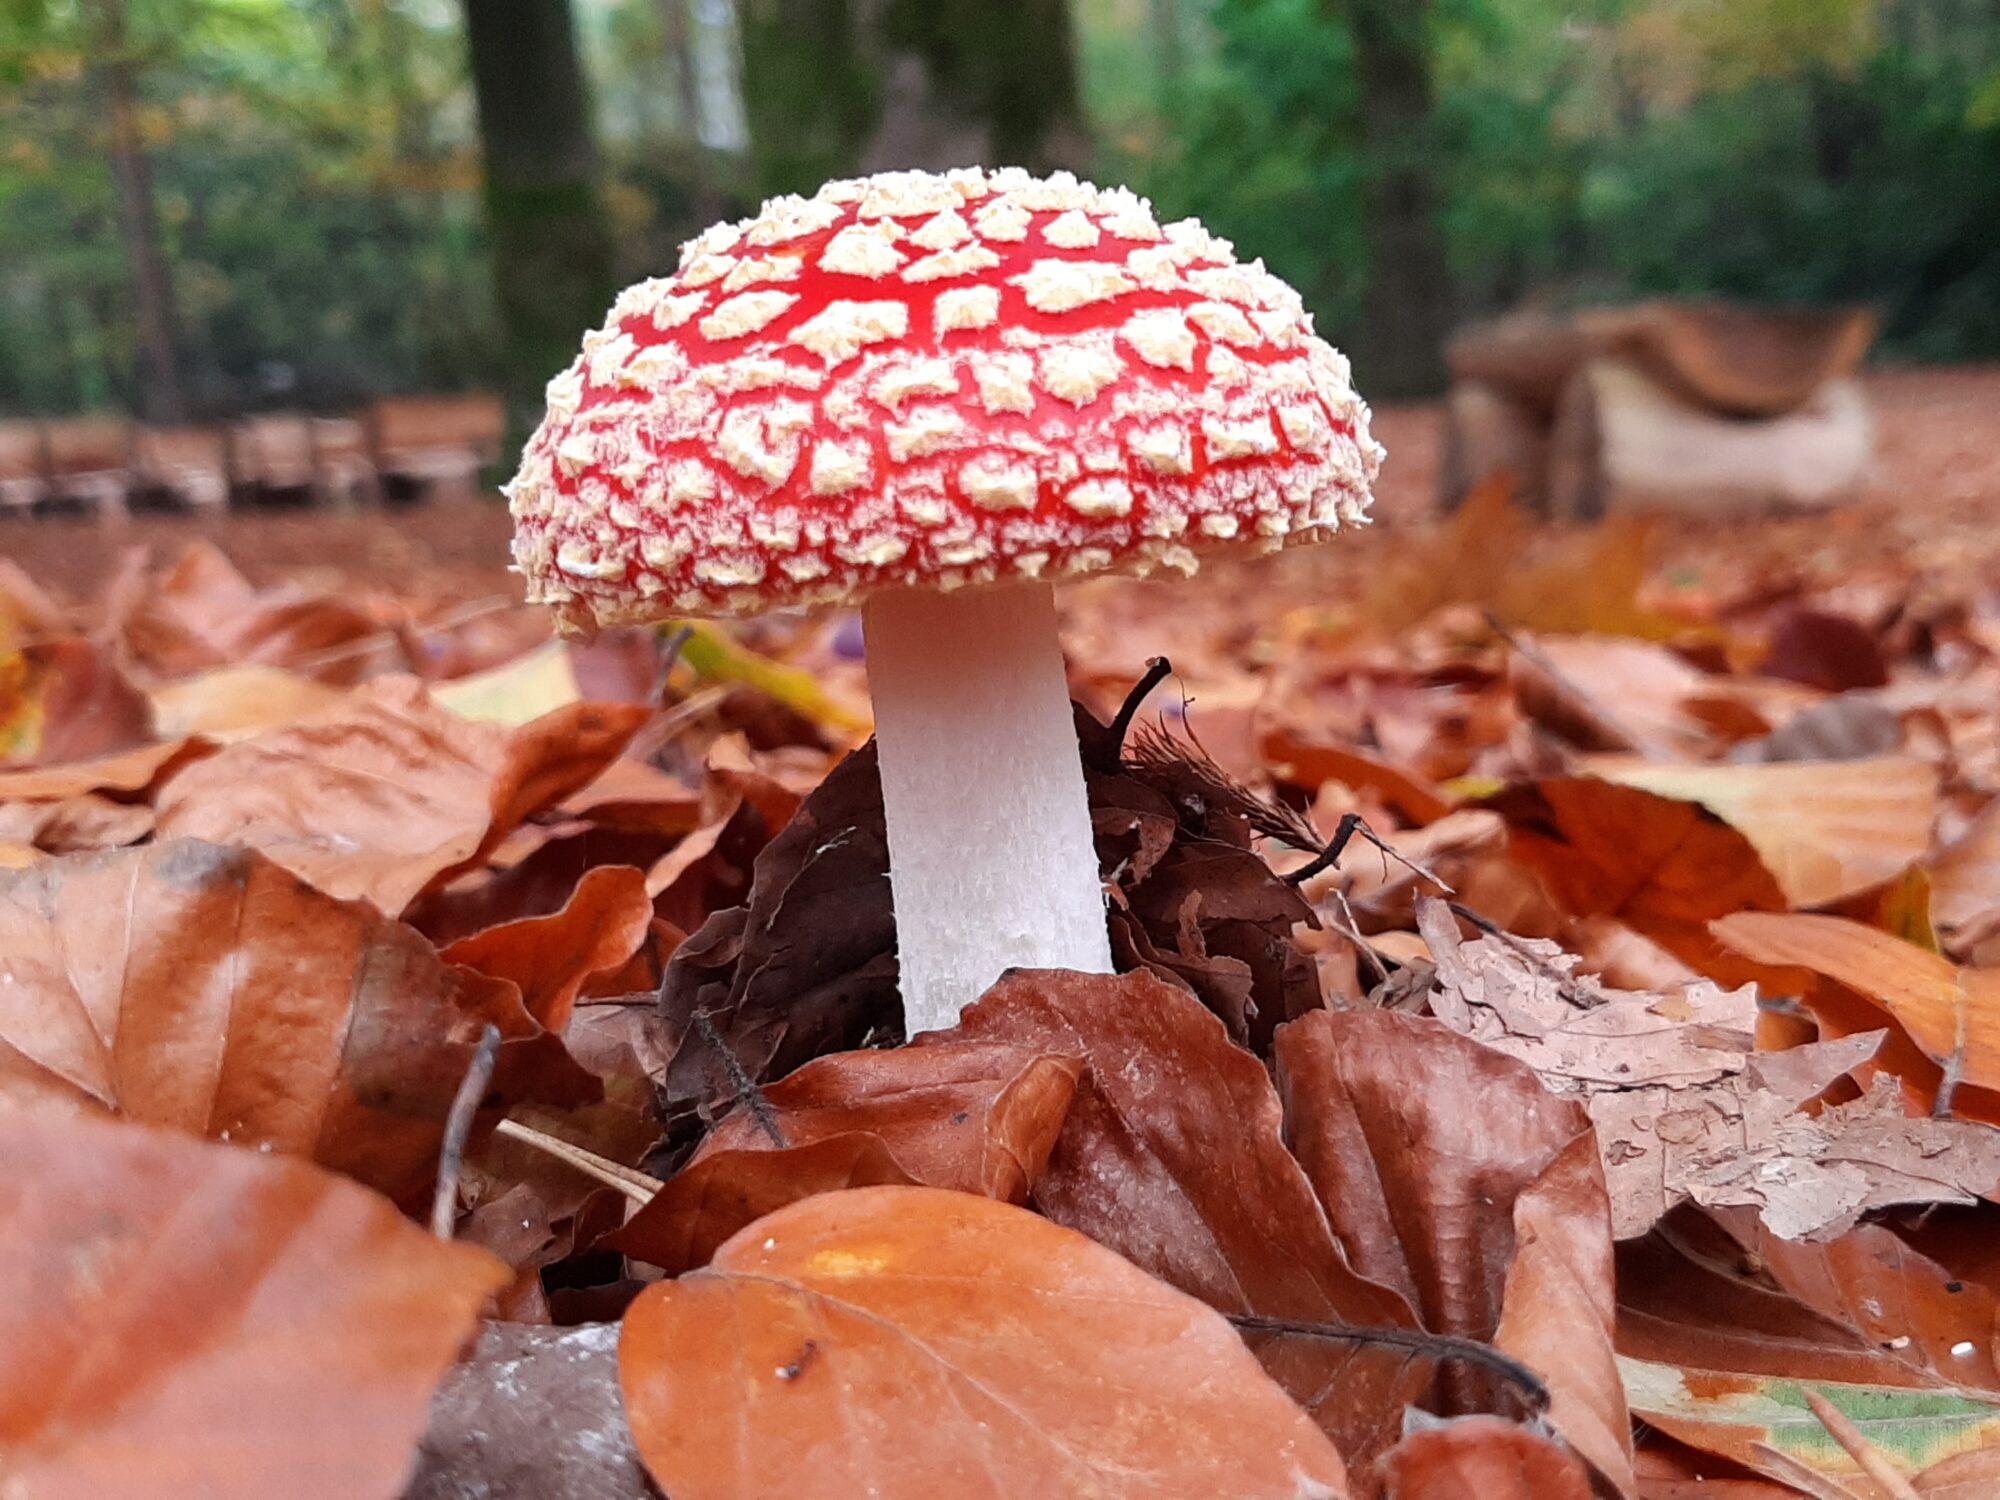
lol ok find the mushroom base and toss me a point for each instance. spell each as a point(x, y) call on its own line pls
point(991, 861)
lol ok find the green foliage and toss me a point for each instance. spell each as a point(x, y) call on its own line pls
point(1788, 150)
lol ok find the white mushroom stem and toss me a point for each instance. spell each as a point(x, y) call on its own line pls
point(991, 861)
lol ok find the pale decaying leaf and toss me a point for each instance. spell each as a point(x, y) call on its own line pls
point(1812, 1177)
point(1683, 1105)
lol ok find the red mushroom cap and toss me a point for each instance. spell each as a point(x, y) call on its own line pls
point(915, 380)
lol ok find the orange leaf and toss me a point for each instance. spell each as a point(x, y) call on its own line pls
point(203, 988)
point(1946, 1009)
point(550, 958)
point(190, 1320)
point(388, 795)
point(1825, 829)
point(1483, 1457)
point(1223, 1210)
point(974, 1117)
point(908, 1342)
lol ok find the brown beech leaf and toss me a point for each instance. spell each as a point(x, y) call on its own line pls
point(127, 773)
point(1672, 1081)
point(1963, 1476)
point(1952, 1013)
point(909, 1342)
point(1223, 1211)
point(807, 966)
point(1889, 1292)
point(207, 989)
point(1310, 764)
point(533, 1413)
point(388, 795)
point(975, 1117)
point(1483, 1457)
point(75, 824)
point(78, 703)
point(551, 958)
point(192, 1320)
point(1664, 868)
point(1450, 1173)
point(1824, 829)
point(1965, 875)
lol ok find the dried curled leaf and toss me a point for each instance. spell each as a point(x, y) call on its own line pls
point(908, 1342)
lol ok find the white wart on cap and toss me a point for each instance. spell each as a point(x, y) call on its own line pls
point(922, 381)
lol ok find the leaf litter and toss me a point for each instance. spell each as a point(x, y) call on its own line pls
point(1645, 1088)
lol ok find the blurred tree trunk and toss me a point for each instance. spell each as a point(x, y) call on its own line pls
point(843, 86)
point(551, 241)
point(138, 216)
point(1407, 310)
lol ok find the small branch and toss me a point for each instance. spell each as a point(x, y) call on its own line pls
point(1158, 670)
point(1411, 1340)
point(1582, 996)
point(633, 1183)
point(1863, 1452)
point(458, 1128)
point(670, 655)
point(747, 1093)
point(1350, 824)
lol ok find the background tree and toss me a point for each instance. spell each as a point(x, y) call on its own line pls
point(552, 265)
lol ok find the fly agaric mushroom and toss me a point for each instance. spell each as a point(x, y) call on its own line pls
point(933, 395)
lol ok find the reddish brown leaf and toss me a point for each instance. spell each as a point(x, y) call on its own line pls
point(1450, 1173)
point(1483, 1457)
point(127, 772)
point(551, 958)
point(969, 1116)
point(907, 1342)
point(1309, 764)
point(1825, 830)
point(77, 704)
point(191, 1320)
point(1222, 1210)
point(389, 795)
point(74, 824)
point(1664, 868)
point(207, 989)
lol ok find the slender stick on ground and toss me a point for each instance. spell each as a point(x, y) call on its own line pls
point(458, 1127)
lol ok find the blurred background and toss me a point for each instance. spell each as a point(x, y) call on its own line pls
point(217, 207)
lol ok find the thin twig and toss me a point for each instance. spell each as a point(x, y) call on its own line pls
point(1863, 1452)
point(747, 1093)
point(1350, 824)
point(458, 1128)
point(1158, 670)
point(1412, 1340)
point(1582, 996)
point(670, 656)
point(1351, 930)
point(633, 1183)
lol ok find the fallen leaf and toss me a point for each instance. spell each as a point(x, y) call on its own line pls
point(1609, 693)
point(207, 989)
point(1824, 650)
point(192, 1320)
point(1965, 874)
point(1309, 763)
point(233, 703)
point(1952, 1013)
point(1963, 1476)
point(1897, 1299)
point(968, 1116)
point(1825, 830)
point(1731, 1415)
point(67, 699)
point(1663, 867)
point(1811, 1177)
point(515, 692)
point(388, 795)
point(74, 824)
point(1481, 1456)
point(549, 959)
point(993, 1353)
point(1451, 1174)
point(1224, 1212)
point(1672, 1083)
point(126, 773)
